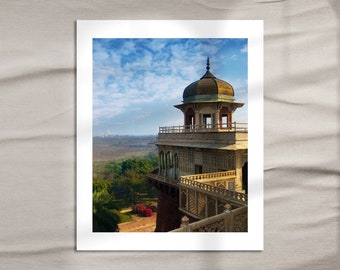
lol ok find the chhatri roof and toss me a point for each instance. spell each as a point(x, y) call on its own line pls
point(208, 88)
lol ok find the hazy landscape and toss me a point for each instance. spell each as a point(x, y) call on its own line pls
point(123, 199)
point(116, 148)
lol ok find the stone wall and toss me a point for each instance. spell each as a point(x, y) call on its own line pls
point(225, 138)
point(168, 215)
point(210, 160)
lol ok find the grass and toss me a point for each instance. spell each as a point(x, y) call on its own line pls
point(124, 217)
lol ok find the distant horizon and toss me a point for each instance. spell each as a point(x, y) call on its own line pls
point(124, 135)
point(137, 82)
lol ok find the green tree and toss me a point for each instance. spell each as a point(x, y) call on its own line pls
point(133, 183)
point(104, 219)
point(112, 171)
point(139, 165)
point(152, 156)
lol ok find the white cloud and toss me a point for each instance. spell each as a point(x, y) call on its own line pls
point(156, 44)
point(244, 49)
point(233, 57)
point(129, 46)
point(132, 77)
point(106, 112)
point(142, 63)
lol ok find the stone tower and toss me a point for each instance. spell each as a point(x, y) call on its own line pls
point(207, 146)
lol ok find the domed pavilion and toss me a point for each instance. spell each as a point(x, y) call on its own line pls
point(208, 103)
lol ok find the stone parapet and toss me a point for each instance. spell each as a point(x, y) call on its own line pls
point(221, 140)
point(229, 221)
point(228, 127)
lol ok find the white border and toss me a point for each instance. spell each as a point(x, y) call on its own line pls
point(250, 29)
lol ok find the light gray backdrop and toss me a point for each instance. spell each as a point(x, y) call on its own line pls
point(37, 139)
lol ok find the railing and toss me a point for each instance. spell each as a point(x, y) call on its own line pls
point(225, 127)
point(240, 197)
point(194, 181)
point(204, 177)
point(230, 221)
point(163, 178)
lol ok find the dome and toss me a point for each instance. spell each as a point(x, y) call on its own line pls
point(208, 88)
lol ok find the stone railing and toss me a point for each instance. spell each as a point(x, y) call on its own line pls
point(207, 188)
point(230, 221)
point(162, 178)
point(207, 177)
point(228, 127)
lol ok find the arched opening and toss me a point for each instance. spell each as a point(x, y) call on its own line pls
point(207, 121)
point(183, 200)
point(169, 164)
point(189, 121)
point(161, 163)
point(225, 118)
point(176, 166)
point(245, 177)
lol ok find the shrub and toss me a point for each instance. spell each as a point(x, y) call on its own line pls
point(148, 212)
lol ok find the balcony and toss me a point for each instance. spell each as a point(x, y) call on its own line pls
point(210, 178)
point(215, 185)
point(226, 127)
point(203, 195)
point(154, 176)
point(232, 137)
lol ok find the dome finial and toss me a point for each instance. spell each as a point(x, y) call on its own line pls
point(208, 64)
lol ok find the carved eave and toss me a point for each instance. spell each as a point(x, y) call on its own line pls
point(231, 105)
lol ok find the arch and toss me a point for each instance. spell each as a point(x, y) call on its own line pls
point(183, 200)
point(176, 166)
point(207, 121)
point(169, 164)
point(189, 118)
point(161, 162)
point(211, 207)
point(225, 118)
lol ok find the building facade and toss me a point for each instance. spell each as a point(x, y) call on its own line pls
point(203, 164)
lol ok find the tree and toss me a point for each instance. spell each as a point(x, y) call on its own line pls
point(126, 181)
point(112, 171)
point(104, 219)
point(133, 183)
point(139, 165)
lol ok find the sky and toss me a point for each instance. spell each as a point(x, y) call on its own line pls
point(137, 82)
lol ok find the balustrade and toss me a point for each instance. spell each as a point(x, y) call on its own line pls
point(229, 127)
point(230, 221)
point(188, 181)
point(211, 176)
point(198, 181)
point(164, 179)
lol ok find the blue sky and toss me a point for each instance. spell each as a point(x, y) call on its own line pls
point(136, 82)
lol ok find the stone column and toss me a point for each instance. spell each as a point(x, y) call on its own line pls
point(238, 169)
point(197, 119)
point(206, 205)
point(216, 123)
point(228, 218)
point(185, 224)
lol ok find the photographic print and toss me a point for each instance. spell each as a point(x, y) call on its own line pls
point(164, 125)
